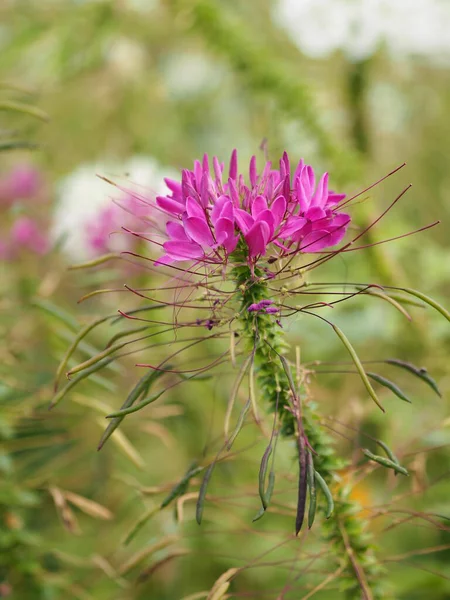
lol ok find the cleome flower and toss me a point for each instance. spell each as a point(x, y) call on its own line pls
point(278, 210)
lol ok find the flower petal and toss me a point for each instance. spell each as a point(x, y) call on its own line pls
point(257, 238)
point(170, 206)
point(278, 209)
point(183, 250)
point(243, 220)
point(199, 231)
point(176, 232)
point(321, 194)
point(258, 205)
point(193, 208)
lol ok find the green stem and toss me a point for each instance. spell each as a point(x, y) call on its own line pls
point(345, 530)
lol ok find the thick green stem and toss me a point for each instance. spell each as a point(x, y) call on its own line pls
point(345, 530)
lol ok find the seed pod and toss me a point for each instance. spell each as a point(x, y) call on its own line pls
point(202, 493)
point(390, 385)
point(325, 489)
point(385, 462)
point(312, 489)
point(417, 371)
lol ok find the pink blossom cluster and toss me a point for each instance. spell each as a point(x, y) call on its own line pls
point(283, 209)
point(126, 214)
point(22, 184)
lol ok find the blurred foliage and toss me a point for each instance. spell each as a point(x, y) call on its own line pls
point(88, 80)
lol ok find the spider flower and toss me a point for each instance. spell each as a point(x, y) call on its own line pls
point(280, 211)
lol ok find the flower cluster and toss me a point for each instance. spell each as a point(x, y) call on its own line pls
point(278, 210)
point(19, 231)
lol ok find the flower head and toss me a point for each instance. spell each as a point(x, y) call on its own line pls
point(22, 183)
point(276, 210)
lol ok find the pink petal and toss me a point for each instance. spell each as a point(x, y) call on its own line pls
point(299, 169)
point(259, 204)
point(314, 213)
point(175, 188)
point(233, 165)
point(293, 224)
point(170, 206)
point(253, 172)
point(315, 241)
point(204, 192)
point(257, 238)
point(266, 216)
point(302, 196)
point(225, 234)
point(222, 208)
point(234, 193)
point(334, 198)
point(243, 220)
point(321, 194)
point(217, 171)
point(183, 250)
point(199, 231)
point(278, 209)
point(198, 172)
point(193, 208)
point(176, 232)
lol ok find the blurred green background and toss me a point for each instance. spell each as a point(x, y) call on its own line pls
point(95, 83)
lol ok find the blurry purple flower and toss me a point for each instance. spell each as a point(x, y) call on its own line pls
point(23, 182)
point(113, 218)
point(209, 216)
point(26, 233)
point(263, 306)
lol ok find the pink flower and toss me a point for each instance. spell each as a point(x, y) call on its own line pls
point(22, 183)
point(288, 212)
point(112, 219)
point(26, 233)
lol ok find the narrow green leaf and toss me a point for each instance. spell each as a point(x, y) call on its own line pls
point(420, 372)
point(385, 462)
point(73, 346)
point(60, 395)
point(180, 488)
point(390, 385)
point(121, 334)
point(140, 524)
point(33, 111)
point(139, 389)
point(7, 145)
point(137, 407)
point(202, 493)
point(56, 312)
point(325, 489)
point(96, 261)
point(357, 364)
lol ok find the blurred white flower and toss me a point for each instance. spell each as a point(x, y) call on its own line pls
point(190, 73)
point(86, 221)
point(359, 27)
point(127, 57)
